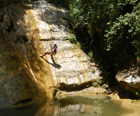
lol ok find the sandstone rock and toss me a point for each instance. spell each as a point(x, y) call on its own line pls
point(130, 79)
point(70, 67)
point(18, 86)
point(86, 91)
point(24, 76)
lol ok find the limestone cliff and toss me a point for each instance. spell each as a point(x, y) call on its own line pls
point(71, 67)
point(25, 77)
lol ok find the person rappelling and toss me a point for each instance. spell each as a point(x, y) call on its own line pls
point(53, 51)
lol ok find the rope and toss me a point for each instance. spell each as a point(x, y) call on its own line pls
point(43, 17)
point(56, 89)
point(54, 63)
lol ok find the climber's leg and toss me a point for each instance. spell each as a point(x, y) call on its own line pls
point(44, 54)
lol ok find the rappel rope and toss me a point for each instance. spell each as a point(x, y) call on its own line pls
point(54, 63)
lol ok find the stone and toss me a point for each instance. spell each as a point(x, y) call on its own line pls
point(130, 79)
point(75, 67)
point(24, 75)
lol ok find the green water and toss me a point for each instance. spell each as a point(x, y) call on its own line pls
point(70, 106)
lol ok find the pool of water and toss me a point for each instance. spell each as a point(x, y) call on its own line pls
point(70, 106)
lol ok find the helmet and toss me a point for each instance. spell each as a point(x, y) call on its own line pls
point(55, 44)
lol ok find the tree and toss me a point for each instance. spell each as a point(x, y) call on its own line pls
point(113, 27)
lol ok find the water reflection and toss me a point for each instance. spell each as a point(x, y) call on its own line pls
point(70, 106)
point(88, 106)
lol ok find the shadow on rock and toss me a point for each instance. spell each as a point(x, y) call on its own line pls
point(53, 64)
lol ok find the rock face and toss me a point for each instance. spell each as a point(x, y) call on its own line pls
point(14, 86)
point(71, 67)
point(22, 73)
point(24, 76)
point(130, 79)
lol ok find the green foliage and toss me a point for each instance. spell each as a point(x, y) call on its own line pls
point(18, 38)
point(97, 83)
point(72, 38)
point(20, 1)
point(109, 17)
point(91, 13)
point(137, 93)
point(125, 26)
point(114, 29)
point(93, 71)
point(60, 3)
point(90, 53)
point(78, 44)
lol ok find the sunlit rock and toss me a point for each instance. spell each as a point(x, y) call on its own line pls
point(70, 66)
point(25, 77)
point(130, 79)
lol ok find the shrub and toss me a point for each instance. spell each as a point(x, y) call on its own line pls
point(90, 53)
point(72, 38)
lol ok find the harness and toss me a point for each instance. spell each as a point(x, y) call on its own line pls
point(54, 50)
point(53, 53)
